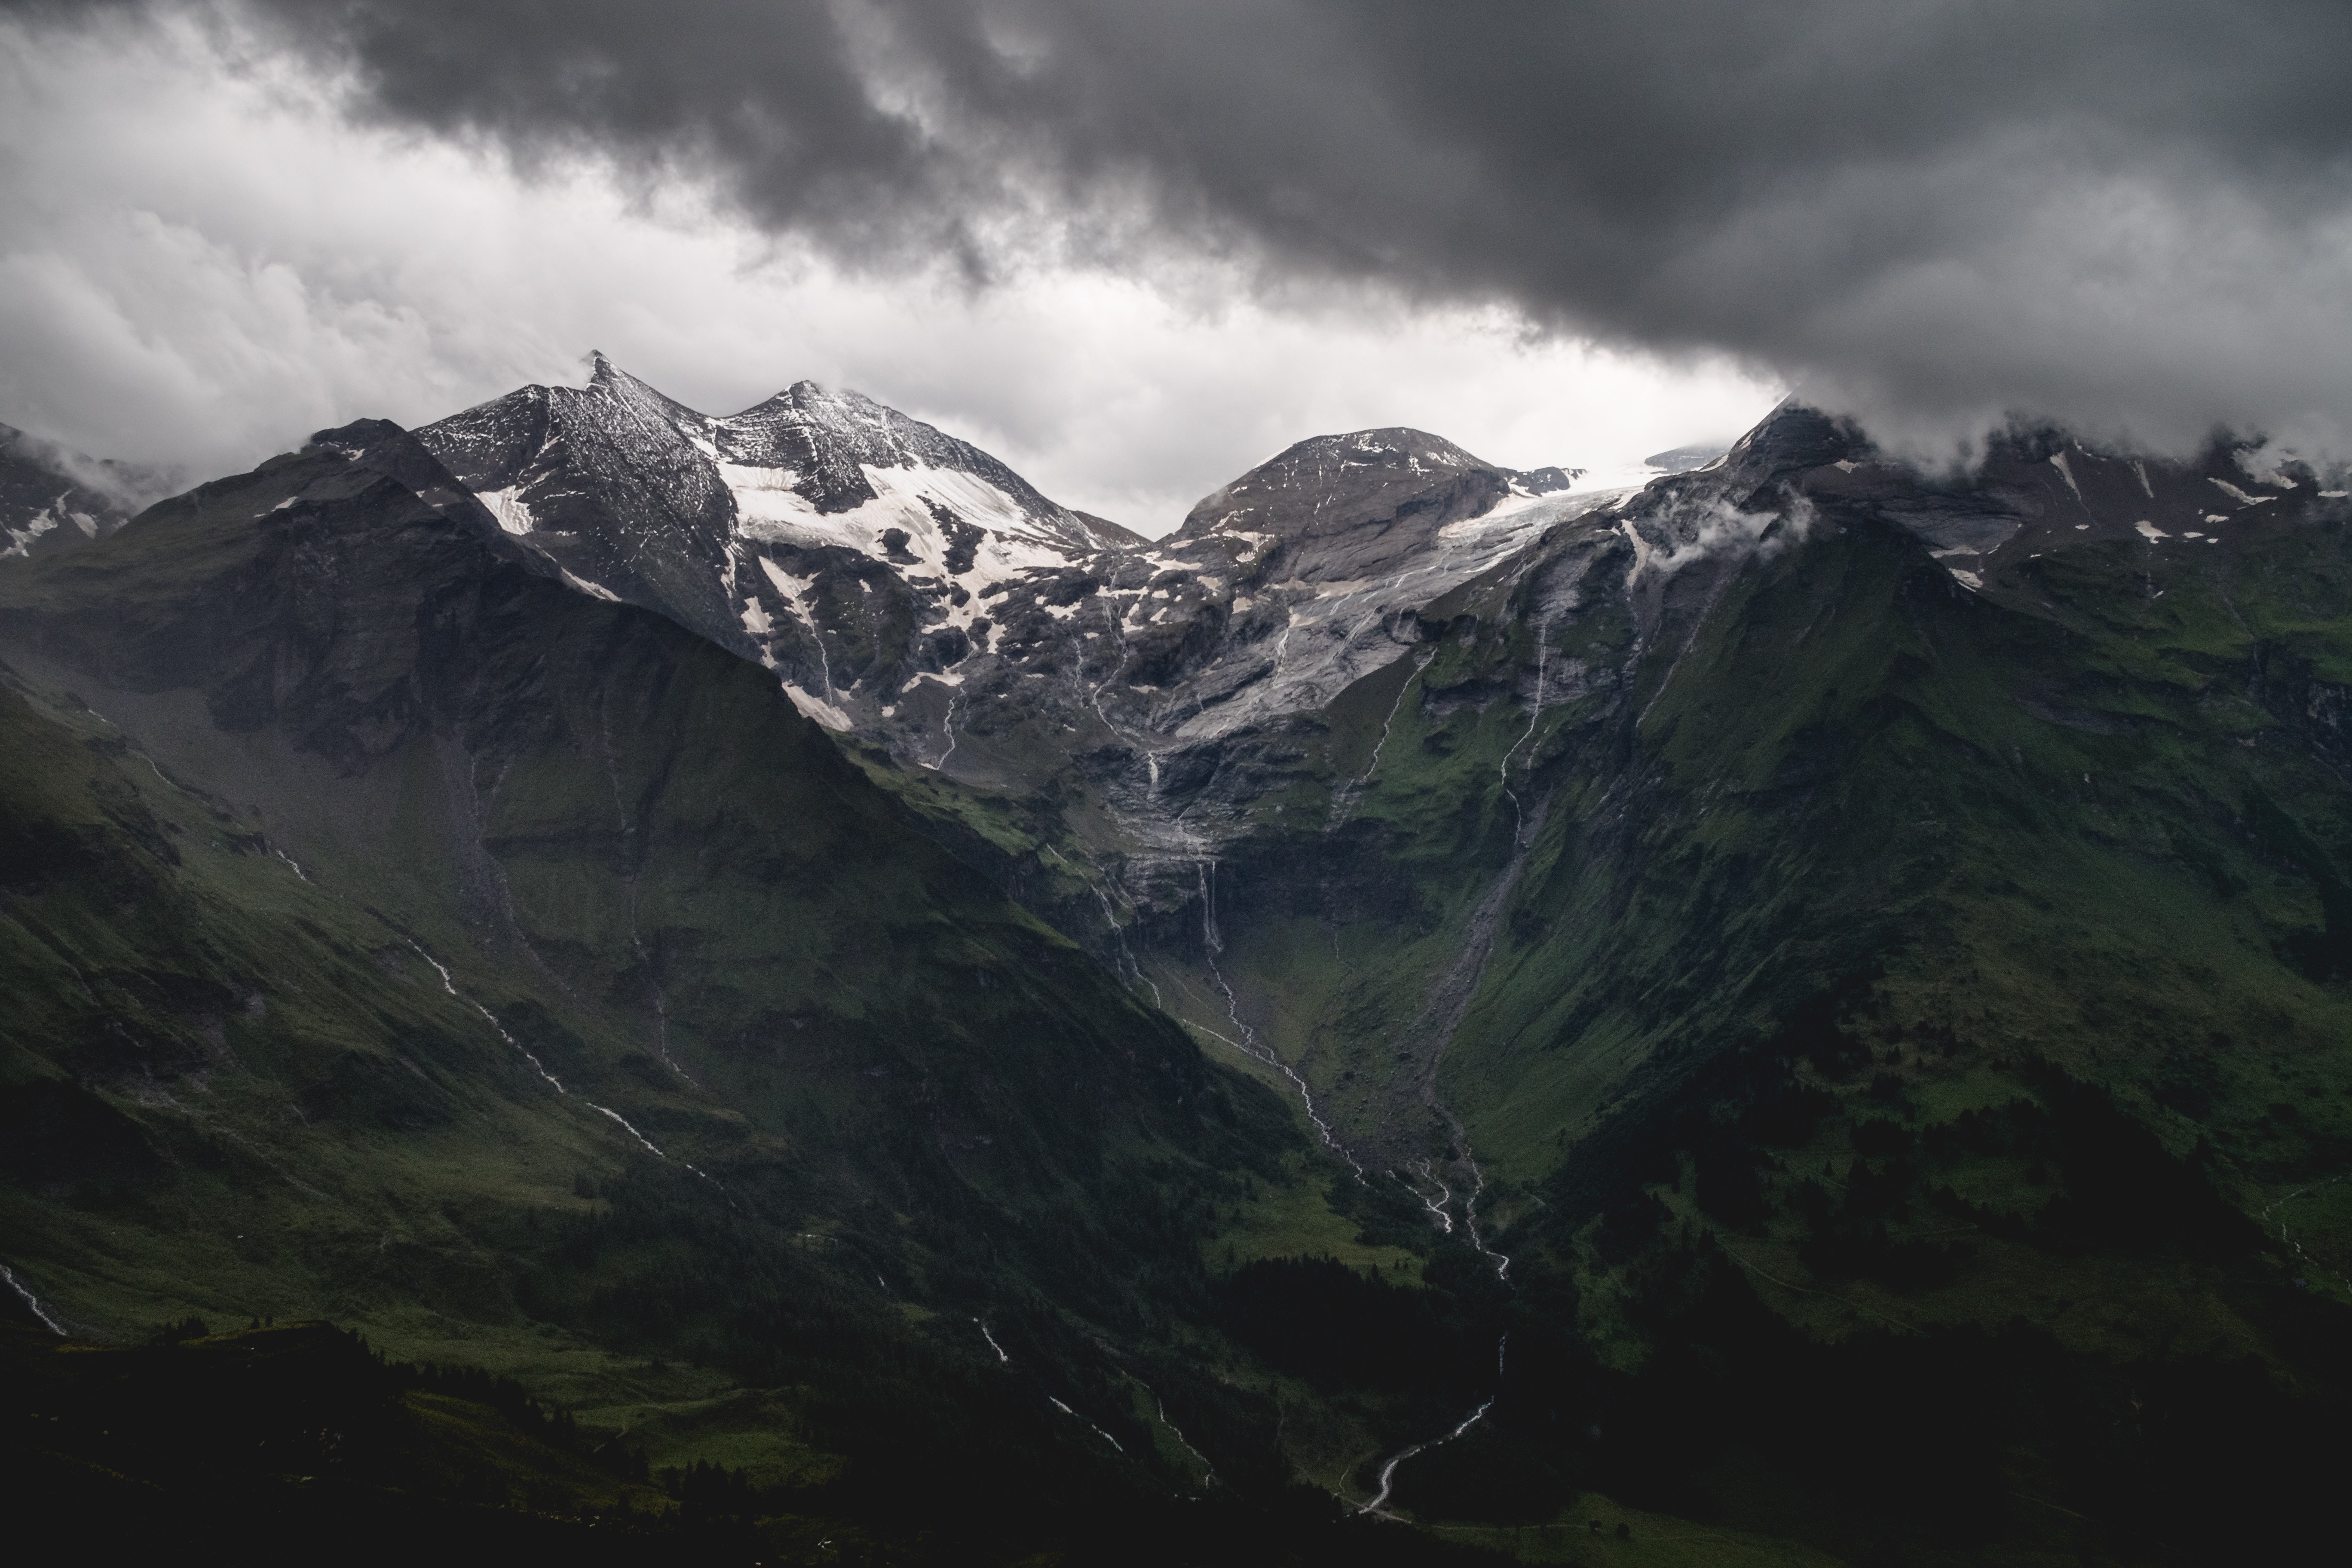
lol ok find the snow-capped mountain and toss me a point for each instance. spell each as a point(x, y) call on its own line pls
point(1145, 704)
point(907, 585)
point(1368, 504)
point(839, 542)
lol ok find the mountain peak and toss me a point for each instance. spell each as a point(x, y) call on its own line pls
point(1388, 447)
point(726, 523)
point(1329, 485)
point(810, 404)
point(603, 375)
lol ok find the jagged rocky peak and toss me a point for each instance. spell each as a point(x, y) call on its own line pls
point(844, 544)
point(618, 386)
point(1796, 436)
point(807, 455)
point(831, 439)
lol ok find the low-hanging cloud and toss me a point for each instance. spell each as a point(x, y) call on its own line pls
point(1688, 525)
point(2133, 215)
point(203, 257)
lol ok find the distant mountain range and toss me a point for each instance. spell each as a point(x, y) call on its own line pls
point(1679, 959)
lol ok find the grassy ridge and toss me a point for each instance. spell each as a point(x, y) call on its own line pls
point(1854, 798)
point(338, 741)
point(1895, 959)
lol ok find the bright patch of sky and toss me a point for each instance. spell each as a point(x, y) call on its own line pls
point(201, 262)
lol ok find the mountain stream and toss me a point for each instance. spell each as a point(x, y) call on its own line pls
point(1249, 1045)
point(32, 1303)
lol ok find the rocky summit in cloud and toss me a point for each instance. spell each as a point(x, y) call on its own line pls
point(52, 498)
point(1930, 212)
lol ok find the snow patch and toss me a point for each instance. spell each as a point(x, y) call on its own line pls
point(23, 542)
point(769, 509)
point(817, 708)
point(796, 589)
point(508, 507)
point(1517, 515)
point(765, 500)
point(593, 590)
point(2066, 470)
point(2149, 531)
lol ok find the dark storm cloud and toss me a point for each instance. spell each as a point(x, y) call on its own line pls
point(2134, 214)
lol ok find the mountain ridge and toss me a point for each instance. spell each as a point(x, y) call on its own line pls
point(1808, 928)
point(398, 932)
point(863, 555)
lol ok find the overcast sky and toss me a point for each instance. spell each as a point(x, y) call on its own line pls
point(1134, 247)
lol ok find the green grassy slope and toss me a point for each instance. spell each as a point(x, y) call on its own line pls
point(825, 1098)
point(1953, 978)
point(1811, 853)
point(1918, 875)
point(1858, 977)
